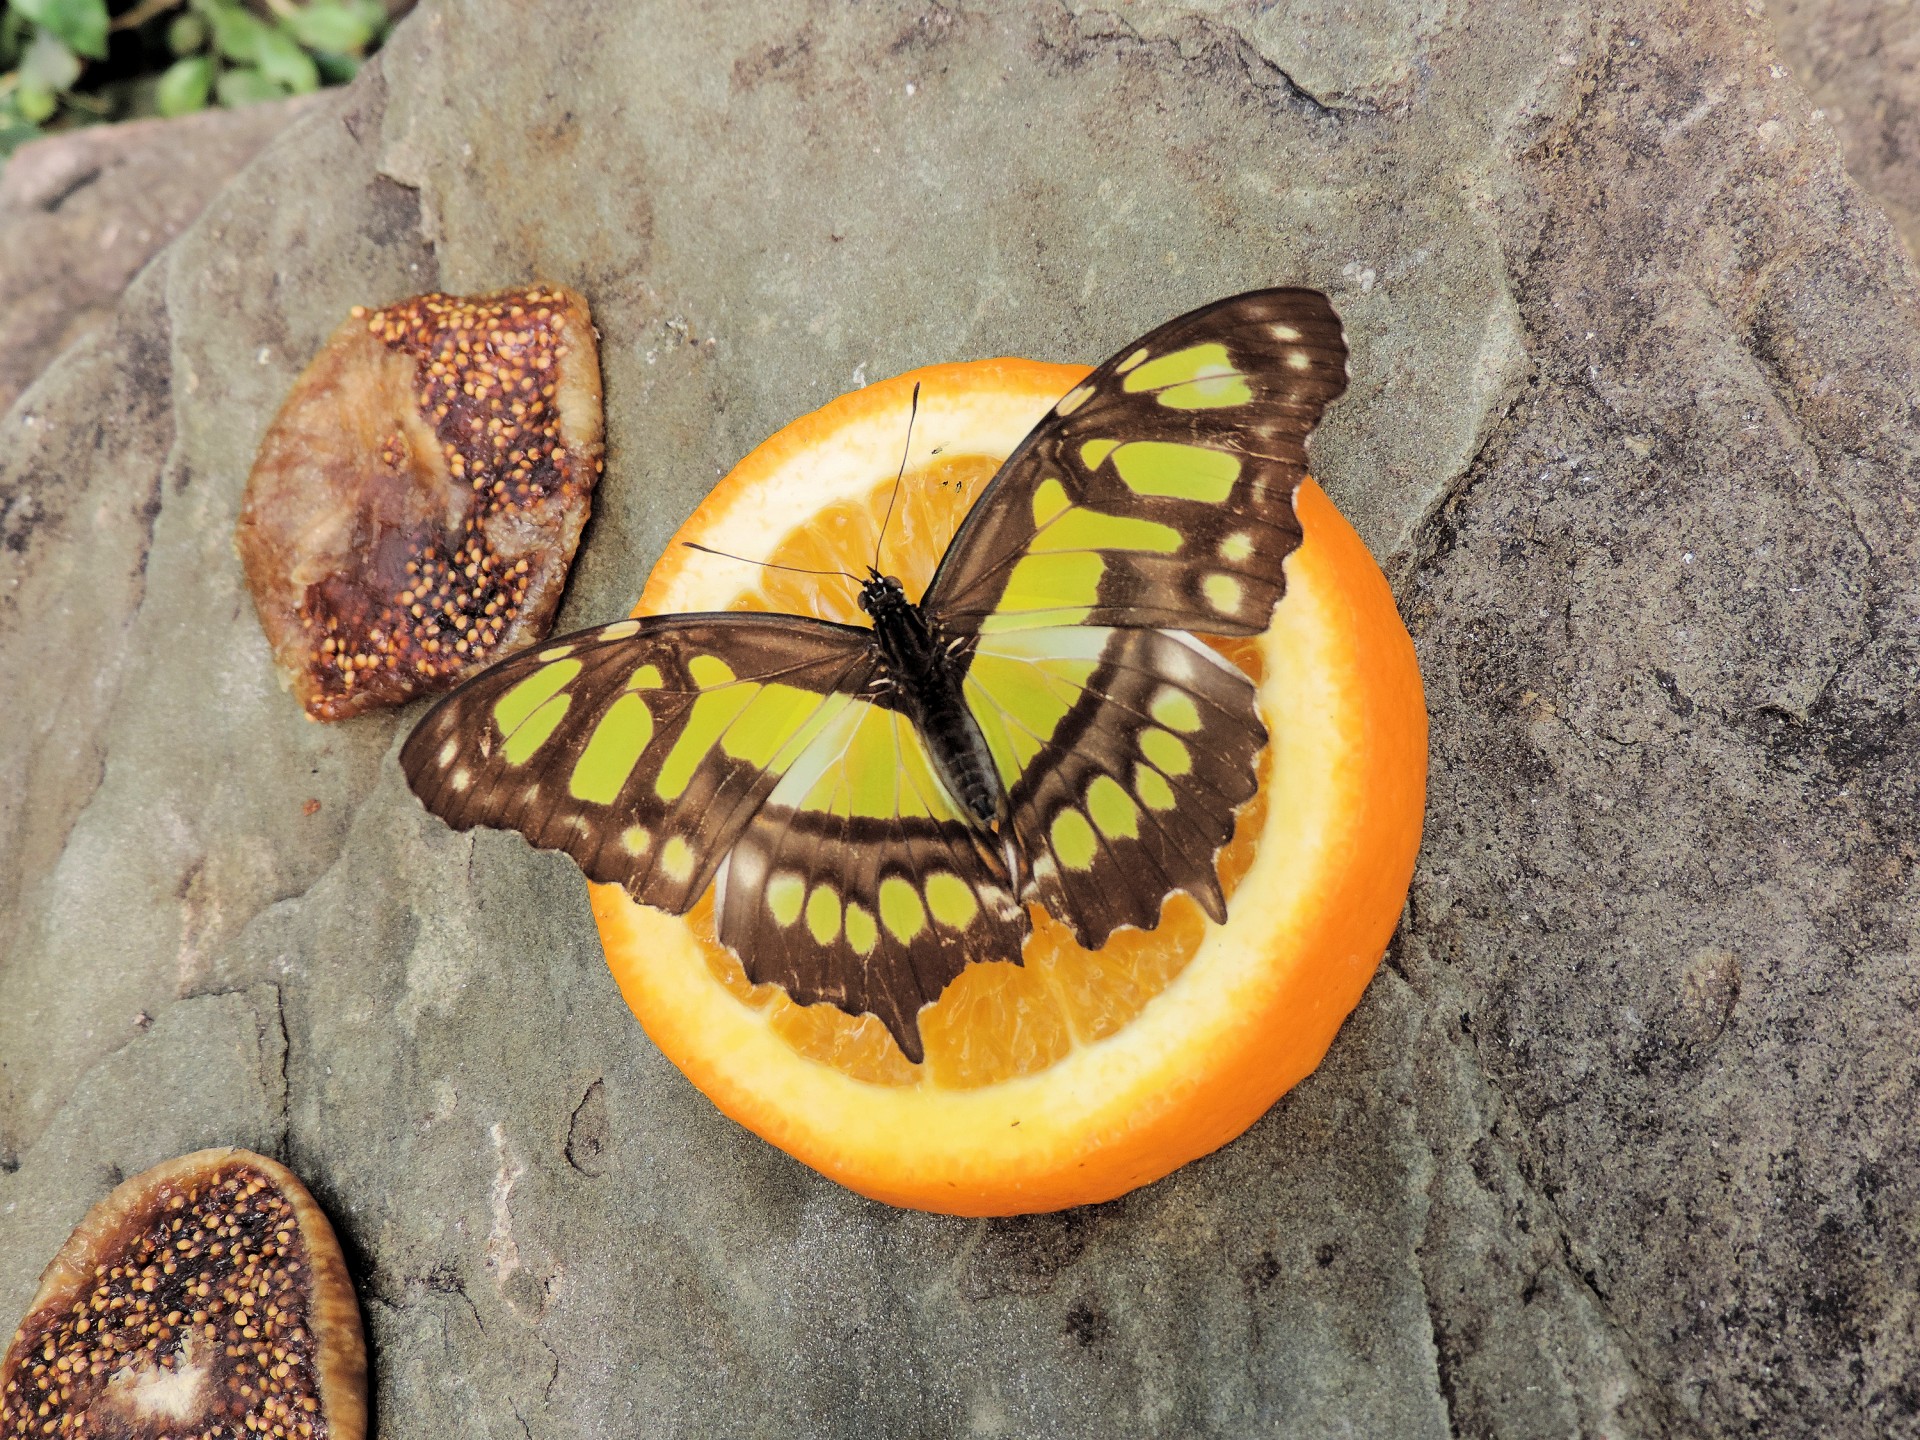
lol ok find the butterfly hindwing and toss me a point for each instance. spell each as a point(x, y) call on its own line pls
point(1126, 755)
point(859, 883)
point(642, 748)
point(1159, 492)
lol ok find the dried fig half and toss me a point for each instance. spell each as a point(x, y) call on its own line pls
point(415, 505)
point(204, 1298)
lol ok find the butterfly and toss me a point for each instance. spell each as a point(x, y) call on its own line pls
point(876, 806)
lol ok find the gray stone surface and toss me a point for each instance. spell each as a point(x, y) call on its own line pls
point(211, 1070)
point(1620, 1142)
point(1860, 63)
point(82, 211)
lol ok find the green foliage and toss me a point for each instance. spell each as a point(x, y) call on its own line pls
point(187, 34)
point(185, 86)
point(233, 52)
point(333, 28)
point(282, 61)
point(47, 68)
point(81, 25)
point(236, 30)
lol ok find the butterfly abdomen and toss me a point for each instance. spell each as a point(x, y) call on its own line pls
point(959, 751)
point(925, 679)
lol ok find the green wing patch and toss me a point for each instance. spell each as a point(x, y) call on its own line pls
point(1126, 755)
point(642, 748)
point(1158, 493)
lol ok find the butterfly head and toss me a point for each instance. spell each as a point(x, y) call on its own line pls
point(880, 594)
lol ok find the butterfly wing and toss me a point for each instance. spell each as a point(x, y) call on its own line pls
point(1126, 755)
point(643, 748)
point(664, 752)
point(1155, 499)
point(859, 882)
point(1159, 492)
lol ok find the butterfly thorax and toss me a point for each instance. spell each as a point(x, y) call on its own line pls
point(923, 674)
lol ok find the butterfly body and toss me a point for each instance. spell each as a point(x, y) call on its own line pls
point(875, 808)
point(927, 674)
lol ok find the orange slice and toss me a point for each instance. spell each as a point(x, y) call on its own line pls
point(1079, 1074)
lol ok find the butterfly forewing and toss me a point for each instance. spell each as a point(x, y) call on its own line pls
point(1159, 492)
point(1156, 498)
point(642, 748)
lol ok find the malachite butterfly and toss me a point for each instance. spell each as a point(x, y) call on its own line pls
point(876, 807)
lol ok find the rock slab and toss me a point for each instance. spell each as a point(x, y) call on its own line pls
point(81, 212)
point(1620, 1142)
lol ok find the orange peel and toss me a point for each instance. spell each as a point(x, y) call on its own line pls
point(1079, 1075)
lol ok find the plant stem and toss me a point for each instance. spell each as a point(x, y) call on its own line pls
point(141, 13)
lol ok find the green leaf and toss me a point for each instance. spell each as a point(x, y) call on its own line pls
point(331, 26)
point(336, 69)
point(48, 65)
point(236, 32)
point(187, 35)
point(185, 86)
point(14, 132)
point(82, 24)
point(246, 86)
point(281, 58)
point(35, 103)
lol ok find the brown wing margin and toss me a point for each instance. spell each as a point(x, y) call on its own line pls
point(643, 748)
point(1230, 392)
point(1135, 791)
point(879, 915)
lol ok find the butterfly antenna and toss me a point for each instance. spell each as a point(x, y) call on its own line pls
point(912, 411)
point(766, 564)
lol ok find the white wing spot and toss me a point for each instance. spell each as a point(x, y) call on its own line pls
point(620, 630)
point(636, 839)
point(1236, 547)
point(1222, 592)
point(460, 780)
point(676, 858)
point(747, 866)
point(1073, 400)
point(449, 750)
point(1287, 332)
point(1177, 665)
point(1299, 360)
